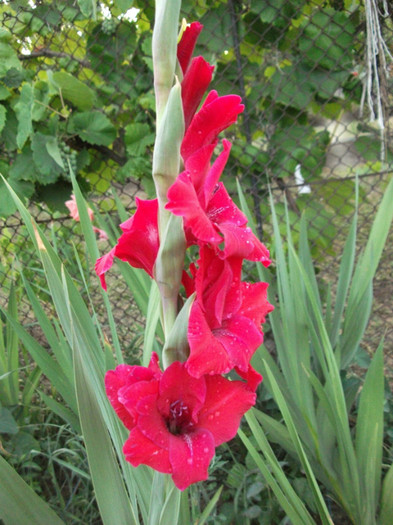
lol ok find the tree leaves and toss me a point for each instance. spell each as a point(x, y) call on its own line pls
point(93, 127)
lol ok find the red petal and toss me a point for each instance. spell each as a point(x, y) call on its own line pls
point(183, 201)
point(185, 47)
point(138, 449)
point(198, 164)
point(252, 377)
point(190, 456)
point(103, 264)
point(213, 281)
point(151, 422)
point(226, 403)
point(216, 170)
point(207, 355)
point(114, 381)
point(144, 216)
point(255, 304)
point(221, 208)
point(240, 338)
point(216, 114)
point(178, 385)
point(194, 84)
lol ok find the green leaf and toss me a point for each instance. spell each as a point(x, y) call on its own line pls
point(73, 90)
point(138, 136)
point(369, 433)
point(4, 93)
point(292, 430)
point(22, 188)
point(327, 39)
point(23, 109)
point(88, 8)
point(23, 166)
point(123, 5)
point(370, 148)
point(93, 127)
point(8, 59)
point(3, 116)
point(19, 503)
point(48, 169)
point(8, 425)
point(52, 147)
point(112, 499)
point(386, 515)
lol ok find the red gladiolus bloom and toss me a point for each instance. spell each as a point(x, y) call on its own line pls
point(216, 114)
point(185, 47)
point(194, 84)
point(210, 215)
point(225, 320)
point(139, 243)
point(176, 420)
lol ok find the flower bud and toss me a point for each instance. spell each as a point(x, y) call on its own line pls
point(164, 51)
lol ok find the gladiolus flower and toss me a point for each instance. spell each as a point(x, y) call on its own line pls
point(72, 206)
point(210, 215)
point(216, 114)
point(185, 47)
point(139, 243)
point(176, 420)
point(225, 320)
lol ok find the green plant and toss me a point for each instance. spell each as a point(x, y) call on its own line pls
point(316, 343)
point(18, 380)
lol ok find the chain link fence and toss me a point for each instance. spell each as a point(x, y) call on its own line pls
point(76, 90)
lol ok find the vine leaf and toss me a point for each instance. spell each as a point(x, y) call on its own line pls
point(3, 116)
point(8, 58)
point(93, 127)
point(73, 90)
point(52, 147)
point(23, 110)
point(138, 136)
point(48, 169)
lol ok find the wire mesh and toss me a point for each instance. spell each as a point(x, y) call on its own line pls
point(301, 68)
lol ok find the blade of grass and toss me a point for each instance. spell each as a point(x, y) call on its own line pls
point(209, 507)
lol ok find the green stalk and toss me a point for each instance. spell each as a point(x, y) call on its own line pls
point(167, 162)
point(164, 51)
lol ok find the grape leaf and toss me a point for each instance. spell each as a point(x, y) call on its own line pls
point(52, 147)
point(3, 116)
point(93, 127)
point(48, 169)
point(138, 136)
point(8, 58)
point(23, 166)
point(73, 90)
point(23, 110)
